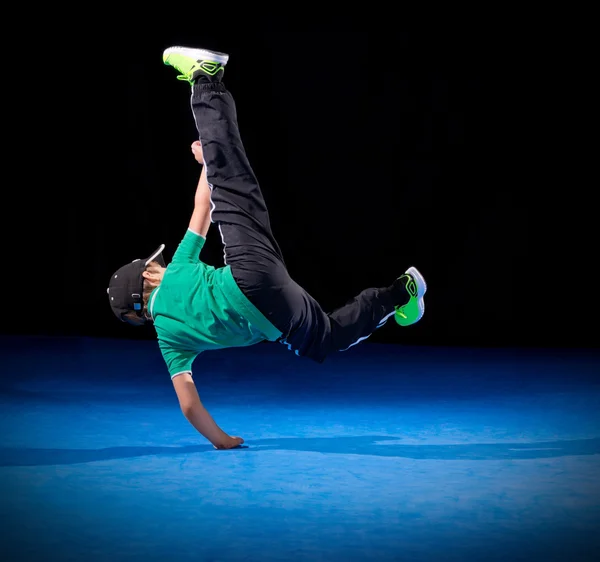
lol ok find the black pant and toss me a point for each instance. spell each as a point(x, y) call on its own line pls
point(256, 261)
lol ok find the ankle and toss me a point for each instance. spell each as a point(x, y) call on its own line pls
point(399, 291)
point(204, 84)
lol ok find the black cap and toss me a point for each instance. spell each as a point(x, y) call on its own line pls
point(126, 287)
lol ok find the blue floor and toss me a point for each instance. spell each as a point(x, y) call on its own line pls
point(382, 453)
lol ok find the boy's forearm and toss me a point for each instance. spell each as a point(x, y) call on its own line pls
point(203, 422)
point(200, 220)
point(202, 194)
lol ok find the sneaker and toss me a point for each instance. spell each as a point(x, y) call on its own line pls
point(196, 63)
point(414, 309)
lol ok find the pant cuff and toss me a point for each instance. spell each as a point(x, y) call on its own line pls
point(206, 86)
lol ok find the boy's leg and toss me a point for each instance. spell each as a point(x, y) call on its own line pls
point(372, 308)
point(238, 206)
point(237, 203)
point(360, 317)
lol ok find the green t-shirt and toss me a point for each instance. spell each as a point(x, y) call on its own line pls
point(198, 307)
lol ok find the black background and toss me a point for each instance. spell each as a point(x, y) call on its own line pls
point(376, 150)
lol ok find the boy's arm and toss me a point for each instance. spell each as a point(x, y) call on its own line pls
point(200, 221)
point(196, 414)
point(186, 391)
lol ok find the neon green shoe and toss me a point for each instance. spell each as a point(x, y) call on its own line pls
point(195, 63)
point(414, 309)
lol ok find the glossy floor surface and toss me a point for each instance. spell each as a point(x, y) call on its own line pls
point(381, 453)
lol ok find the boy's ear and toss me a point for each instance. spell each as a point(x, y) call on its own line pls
point(145, 275)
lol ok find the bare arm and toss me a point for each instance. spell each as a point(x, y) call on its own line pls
point(200, 221)
point(197, 415)
point(187, 394)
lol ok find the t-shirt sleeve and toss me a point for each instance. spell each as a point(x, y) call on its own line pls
point(189, 248)
point(178, 361)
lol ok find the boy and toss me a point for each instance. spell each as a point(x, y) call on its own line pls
point(195, 307)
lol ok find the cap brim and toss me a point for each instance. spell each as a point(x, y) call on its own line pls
point(156, 256)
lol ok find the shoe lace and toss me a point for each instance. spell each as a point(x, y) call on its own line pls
point(184, 76)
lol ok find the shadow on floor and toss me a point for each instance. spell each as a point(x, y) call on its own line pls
point(381, 446)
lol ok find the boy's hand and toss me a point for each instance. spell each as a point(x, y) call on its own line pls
point(197, 415)
point(228, 443)
point(197, 152)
